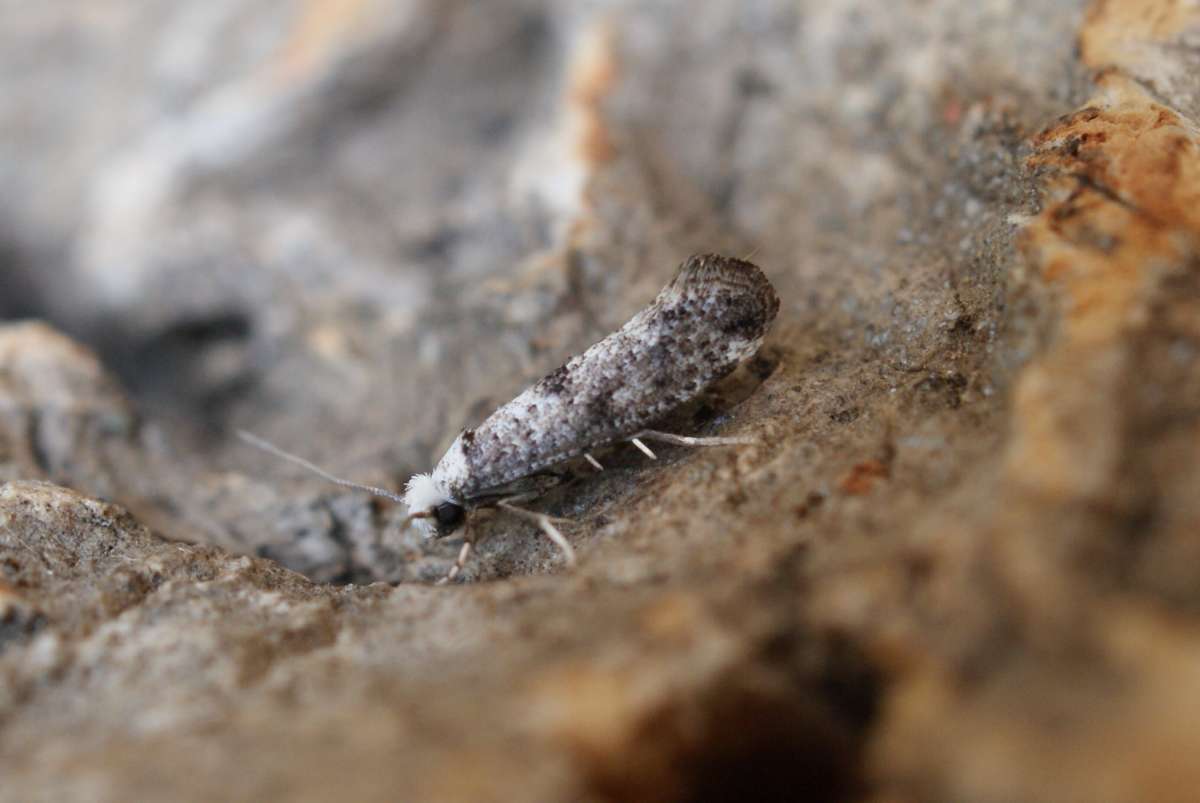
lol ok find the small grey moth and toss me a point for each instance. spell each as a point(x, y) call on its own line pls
point(712, 316)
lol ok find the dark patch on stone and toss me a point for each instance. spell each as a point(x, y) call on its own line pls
point(17, 623)
point(949, 385)
point(845, 415)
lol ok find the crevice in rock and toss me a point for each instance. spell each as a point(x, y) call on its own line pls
point(191, 371)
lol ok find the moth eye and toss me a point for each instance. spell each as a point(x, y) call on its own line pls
point(448, 515)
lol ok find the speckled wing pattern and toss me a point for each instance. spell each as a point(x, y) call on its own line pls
point(711, 317)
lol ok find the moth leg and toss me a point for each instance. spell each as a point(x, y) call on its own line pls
point(595, 463)
point(461, 561)
point(510, 502)
point(687, 440)
point(636, 441)
point(464, 553)
point(546, 523)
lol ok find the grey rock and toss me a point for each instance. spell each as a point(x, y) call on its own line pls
point(959, 564)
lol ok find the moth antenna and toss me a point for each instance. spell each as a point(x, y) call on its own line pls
point(271, 448)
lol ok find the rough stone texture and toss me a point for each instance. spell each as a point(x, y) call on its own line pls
point(962, 564)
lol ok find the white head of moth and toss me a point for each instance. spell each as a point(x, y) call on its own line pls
point(711, 316)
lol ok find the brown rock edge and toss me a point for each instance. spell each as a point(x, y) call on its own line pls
point(1097, 497)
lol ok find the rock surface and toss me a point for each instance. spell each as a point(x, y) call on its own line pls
point(962, 562)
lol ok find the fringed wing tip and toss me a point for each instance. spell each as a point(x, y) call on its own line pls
point(739, 274)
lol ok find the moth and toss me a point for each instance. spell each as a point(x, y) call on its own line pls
point(711, 317)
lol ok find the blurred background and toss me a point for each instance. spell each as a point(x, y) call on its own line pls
point(960, 564)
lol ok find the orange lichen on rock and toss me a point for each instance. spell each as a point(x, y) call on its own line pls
point(1121, 182)
point(1121, 152)
point(860, 479)
point(593, 76)
point(1117, 33)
